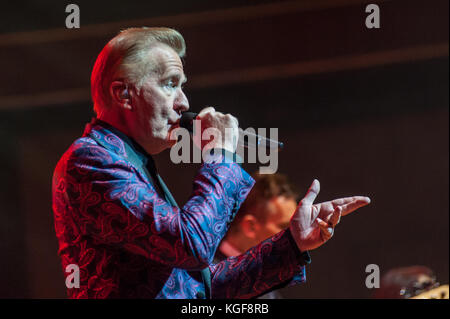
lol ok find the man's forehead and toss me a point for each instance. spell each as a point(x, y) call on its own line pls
point(165, 59)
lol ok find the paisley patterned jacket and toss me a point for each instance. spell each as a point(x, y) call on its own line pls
point(130, 240)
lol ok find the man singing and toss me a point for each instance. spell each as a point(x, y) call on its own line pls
point(117, 221)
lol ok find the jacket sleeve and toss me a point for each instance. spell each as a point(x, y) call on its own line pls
point(108, 200)
point(274, 263)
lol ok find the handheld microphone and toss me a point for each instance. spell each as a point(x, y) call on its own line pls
point(246, 139)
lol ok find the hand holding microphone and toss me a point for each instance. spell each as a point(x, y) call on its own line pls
point(210, 118)
point(212, 129)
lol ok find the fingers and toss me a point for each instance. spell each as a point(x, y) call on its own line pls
point(208, 109)
point(352, 206)
point(321, 223)
point(335, 217)
point(227, 118)
point(325, 230)
point(347, 200)
point(312, 193)
point(216, 130)
point(231, 118)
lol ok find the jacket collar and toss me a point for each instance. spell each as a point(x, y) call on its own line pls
point(117, 142)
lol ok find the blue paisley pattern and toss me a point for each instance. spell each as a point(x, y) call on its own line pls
point(129, 242)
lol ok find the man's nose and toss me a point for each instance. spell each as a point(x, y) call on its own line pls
point(181, 103)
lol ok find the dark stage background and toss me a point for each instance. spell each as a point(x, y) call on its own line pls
point(363, 110)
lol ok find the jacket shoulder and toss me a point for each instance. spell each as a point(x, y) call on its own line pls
point(86, 155)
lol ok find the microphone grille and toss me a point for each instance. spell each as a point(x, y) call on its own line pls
point(186, 120)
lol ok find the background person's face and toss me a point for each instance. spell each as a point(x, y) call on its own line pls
point(279, 213)
point(160, 100)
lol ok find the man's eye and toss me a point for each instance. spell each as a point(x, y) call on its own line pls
point(171, 84)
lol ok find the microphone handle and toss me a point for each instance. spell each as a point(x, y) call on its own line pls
point(246, 139)
point(255, 140)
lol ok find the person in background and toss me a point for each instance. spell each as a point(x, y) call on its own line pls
point(267, 210)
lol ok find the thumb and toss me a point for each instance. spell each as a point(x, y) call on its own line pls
point(208, 109)
point(312, 193)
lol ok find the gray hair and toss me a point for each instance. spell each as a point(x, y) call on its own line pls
point(126, 55)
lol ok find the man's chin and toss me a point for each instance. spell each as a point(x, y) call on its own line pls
point(172, 138)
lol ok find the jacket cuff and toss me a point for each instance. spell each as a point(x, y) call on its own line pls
point(303, 257)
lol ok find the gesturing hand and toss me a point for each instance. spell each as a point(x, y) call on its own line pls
point(313, 225)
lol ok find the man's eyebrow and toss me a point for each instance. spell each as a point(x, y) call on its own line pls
point(183, 78)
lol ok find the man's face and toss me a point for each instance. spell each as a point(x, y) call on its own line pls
point(160, 100)
point(279, 212)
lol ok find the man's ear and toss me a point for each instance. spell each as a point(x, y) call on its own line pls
point(249, 226)
point(120, 94)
